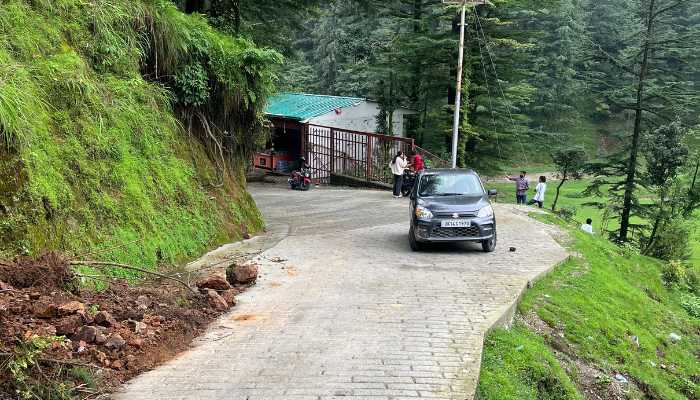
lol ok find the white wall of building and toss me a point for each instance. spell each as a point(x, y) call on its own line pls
point(362, 117)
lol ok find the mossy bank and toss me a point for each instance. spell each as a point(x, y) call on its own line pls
point(123, 126)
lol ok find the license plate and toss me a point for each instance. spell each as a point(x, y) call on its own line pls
point(456, 223)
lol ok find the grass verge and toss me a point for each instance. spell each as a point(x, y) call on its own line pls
point(605, 325)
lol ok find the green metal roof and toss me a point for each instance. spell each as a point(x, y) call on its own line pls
point(301, 107)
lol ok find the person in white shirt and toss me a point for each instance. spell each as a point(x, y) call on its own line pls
point(539, 192)
point(398, 166)
point(588, 226)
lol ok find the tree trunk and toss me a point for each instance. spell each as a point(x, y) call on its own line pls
point(556, 197)
point(237, 18)
point(657, 222)
point(636, 137)
point(695, 177)
point(417, 67)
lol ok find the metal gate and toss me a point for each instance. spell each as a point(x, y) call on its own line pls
point(356, 154)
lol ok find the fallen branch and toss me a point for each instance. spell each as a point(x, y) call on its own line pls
point(104, 264)
point(7, 290)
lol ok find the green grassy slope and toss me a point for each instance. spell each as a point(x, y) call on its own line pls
point(92, 155)
point(590, 310)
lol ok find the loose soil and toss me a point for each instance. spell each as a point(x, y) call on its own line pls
point(156, 320)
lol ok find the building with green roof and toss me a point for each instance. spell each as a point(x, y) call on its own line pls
point(291, 113)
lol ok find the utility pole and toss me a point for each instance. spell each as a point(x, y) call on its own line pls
point(460, 70)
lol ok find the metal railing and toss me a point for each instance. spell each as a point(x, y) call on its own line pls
point(360, 155)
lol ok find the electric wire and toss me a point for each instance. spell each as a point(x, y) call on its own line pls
point(488, 89)
point(498, 80)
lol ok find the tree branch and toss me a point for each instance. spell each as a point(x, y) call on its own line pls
point(104, 264)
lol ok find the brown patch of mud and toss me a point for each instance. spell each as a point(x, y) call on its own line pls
point(50, 270)
point(245, 317)
point(155, 320)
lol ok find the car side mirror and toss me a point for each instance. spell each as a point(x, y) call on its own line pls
point(493, 193)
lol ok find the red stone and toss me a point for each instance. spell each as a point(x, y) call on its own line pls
point(103, 318)
point(216, 302)
point(68, 325)
point(230, 297)
point(245, 274)
point(70, 308)
point(46, 311)
point(215, 282)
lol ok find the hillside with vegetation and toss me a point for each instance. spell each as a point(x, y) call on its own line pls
point(125, 126)
point(607, 324)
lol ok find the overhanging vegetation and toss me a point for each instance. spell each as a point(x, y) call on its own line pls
point(94, 150)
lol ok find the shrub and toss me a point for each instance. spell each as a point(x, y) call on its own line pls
point(691, 304)
point(672, 242)
point(567, 213)
point(674, 273)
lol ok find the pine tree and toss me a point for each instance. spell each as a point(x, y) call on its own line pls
point(640, 52)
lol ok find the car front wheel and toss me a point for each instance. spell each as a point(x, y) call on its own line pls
point(415, 245)
point(489, 245)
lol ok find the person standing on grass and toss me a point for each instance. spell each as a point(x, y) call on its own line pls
point(398, 166)
point(521, 187)
point(539, 192)
point(588, 226)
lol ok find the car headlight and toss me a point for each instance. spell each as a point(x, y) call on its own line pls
point(485, 212)
point(423, 213)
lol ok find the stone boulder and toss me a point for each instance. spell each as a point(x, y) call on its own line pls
point(230, 297)
point(103, 318)
point(70, 308)
point(67, 326)
point(243, 274)
point(86, 334)
point(115, 342)
point(215, 301)
point(45, 310)
point(214, 282)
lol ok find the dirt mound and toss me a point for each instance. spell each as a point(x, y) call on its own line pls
point(117, 333)
point(48, 270)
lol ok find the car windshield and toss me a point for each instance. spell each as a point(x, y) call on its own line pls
point(450, 185)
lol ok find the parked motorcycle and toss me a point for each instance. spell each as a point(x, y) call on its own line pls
point(409, 179)
point(300, 180)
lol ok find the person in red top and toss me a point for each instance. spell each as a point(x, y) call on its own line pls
point(418, 164)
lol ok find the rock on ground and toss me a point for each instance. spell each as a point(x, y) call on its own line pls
point(243, 274)
point(214, 282)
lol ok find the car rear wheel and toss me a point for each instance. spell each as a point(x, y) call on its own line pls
point(489, 245)
point(415, 245)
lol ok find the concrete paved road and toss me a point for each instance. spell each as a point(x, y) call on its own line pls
point(353, 313)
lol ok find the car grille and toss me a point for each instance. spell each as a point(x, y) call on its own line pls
point(445, 233)
point(451, 215)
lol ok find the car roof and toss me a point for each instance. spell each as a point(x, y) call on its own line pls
point(450, 171)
